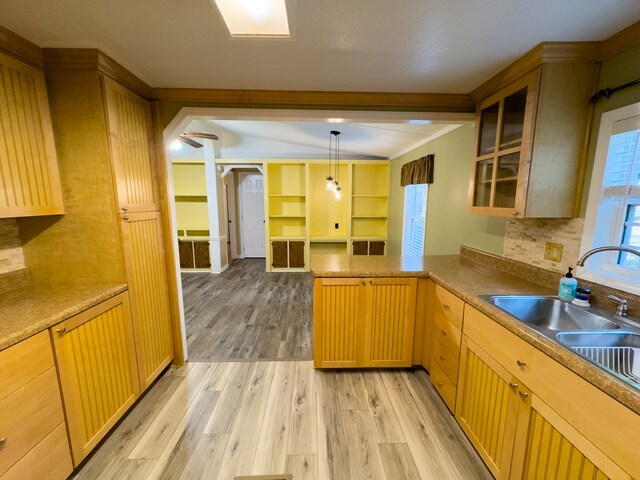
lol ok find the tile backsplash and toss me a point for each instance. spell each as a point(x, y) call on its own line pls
point(11, 254)
point(525, 240)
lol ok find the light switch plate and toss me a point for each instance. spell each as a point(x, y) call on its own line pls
point(553, 251)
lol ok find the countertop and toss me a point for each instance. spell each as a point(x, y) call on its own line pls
point(468, 279)
point(27, 311)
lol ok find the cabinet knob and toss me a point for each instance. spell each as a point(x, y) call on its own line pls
point(363, 282)
point(124, 209)
point(125, 217)
point(521, 363)
point(3, 440)
point(439, 384)
point(61, 330)
point(523, 394)
point(442, 357)
point(370, 282)
point(445, 306)
point(443, 332)
point(513, 385)
point(515, 213)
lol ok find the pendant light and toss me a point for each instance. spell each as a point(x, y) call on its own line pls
point(333, 184)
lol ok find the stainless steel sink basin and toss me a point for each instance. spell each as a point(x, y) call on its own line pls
point(616, 352)
point(549, 313)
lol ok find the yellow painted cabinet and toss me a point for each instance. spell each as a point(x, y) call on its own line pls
point(34, 442)
point(29, 178)
point(96, 361)
point(362, 322)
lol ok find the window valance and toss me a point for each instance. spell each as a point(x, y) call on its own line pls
point(417, 172)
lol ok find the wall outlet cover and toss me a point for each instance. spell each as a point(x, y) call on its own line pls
point(553, 251)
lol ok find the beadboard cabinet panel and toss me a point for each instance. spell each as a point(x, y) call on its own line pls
point(29, 178)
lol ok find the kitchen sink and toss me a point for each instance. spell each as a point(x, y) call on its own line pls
point(616, 352)
point(550, 313)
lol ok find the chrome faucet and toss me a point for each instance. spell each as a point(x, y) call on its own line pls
point(606, 249)
point(621, 309)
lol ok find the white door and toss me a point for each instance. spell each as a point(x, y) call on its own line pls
point(252, 215)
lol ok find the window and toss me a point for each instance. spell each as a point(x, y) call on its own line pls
point(613, 210)
point(415, 215)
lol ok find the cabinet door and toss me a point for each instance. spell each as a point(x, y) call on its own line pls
point(185, 250)
point(28, 163)
point(95, 354)
point(338, 322)
point(129, 128)
point(376, 248)
point(296, 254)
point(147, 279)
point(486, 407)
point(360, 247)
point(279, 254)
point(201, 254)
point(389, 322)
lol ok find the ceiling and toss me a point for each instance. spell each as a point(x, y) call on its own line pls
point(256, 139)
point(426, 46)
point(429, 46)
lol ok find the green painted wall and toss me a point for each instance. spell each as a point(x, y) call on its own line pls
point(616, 71)
point(449, 223)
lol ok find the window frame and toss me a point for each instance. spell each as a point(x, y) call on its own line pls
point(404, 215)
point(603, 268)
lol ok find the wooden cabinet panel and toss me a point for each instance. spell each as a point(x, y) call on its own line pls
point(447, 360)
point(23, 362)
point(296, 254)
point(444, 386)
point(147, 279)
point(129, 128)
point(449, 306)
point(185, 251)
point(49, 460)
point(389, 321)
point(201, 254)
point(376, 248)
point(338, 325)
point(360, 247)
point(28, 164)
point(279, 254)
point(28, 415)
point(95, 353)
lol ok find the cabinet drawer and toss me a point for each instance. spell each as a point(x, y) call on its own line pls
point(447, 361)
point(27, 416)
point(24, 361)
point(444, 386)
point(449, 306)
point(49, 460)
point(446, 333)
point(513, 353)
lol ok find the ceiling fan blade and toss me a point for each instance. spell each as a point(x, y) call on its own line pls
point(207, 136)
point(188, 141)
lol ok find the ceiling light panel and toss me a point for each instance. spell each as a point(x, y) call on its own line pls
point(255, 18)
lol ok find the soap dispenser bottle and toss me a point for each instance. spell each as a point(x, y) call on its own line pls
point(567, 287)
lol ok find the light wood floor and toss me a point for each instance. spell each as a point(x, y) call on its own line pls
point(217, 420)
point(247, 314)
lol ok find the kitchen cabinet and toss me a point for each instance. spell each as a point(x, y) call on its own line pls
point(96, 359)
point(364, 322)
point(368, 247)
point(28, 163)
point(530, 138)
point(441, 351)
point(194, 254)
point(129, 128)
point(32, 422)
point(523, 425)
point(287, 254)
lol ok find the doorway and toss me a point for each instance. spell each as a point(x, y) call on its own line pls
point(251, 195)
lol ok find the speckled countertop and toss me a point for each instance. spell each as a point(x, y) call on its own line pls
point(27, 311)
point(469, 279)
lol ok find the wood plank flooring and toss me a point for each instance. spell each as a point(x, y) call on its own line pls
point(217, 420)
point(246, 313)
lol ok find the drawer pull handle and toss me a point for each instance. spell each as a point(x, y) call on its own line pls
point(370, 282)
point(442, 357)
point(445, 306)
point(125, 217)
point(61, 330)
point(439, 384)
point(523, 394)
point(124, 209)
point(443, 332)
point(513, 385)
point(363, 282)
point(521, 363)
point(3, 440)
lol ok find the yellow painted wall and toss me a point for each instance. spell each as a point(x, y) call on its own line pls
point(449, 222)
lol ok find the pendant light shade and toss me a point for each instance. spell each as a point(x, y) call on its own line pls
point(333, 184)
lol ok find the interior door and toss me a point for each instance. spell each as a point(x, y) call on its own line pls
point(252, 215)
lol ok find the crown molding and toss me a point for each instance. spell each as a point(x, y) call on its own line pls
point(621, 41)
point(21, 48)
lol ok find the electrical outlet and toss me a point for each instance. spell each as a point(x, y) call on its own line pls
point(553, 251)
point(337, 226)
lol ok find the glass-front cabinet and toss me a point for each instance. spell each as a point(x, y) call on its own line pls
point(504, 131)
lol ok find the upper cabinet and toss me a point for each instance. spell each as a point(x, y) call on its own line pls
point(29, 179)
point(530, 138)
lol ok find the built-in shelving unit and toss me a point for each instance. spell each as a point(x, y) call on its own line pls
point(369, 207)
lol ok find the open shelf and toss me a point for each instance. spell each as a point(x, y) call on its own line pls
point(327, 239)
